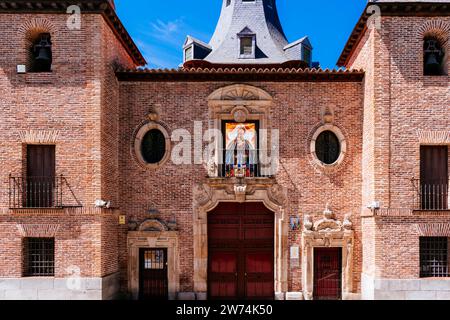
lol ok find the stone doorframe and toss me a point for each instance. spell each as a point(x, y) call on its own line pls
point(208, 196)
point(153, 234)
point(327, 233)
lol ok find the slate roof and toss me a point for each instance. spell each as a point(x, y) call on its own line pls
point(261, 17)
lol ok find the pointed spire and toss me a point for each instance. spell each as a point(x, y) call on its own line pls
point(250, 32)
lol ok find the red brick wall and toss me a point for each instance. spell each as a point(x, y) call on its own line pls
point(399, 101)
point(79, 99)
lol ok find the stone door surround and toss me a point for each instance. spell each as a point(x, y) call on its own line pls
point(327, 233)
point(152, 234)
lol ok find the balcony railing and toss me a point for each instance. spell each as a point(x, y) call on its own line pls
point(41, 192)
point(431, 195)
point(243, 164)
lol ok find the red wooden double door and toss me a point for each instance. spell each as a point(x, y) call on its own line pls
point(241, 252)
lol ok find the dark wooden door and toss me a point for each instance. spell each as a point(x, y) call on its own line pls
point(153, 275)
point(40, 179)
point(241, 252)
point(327, 273)
point(434, 177)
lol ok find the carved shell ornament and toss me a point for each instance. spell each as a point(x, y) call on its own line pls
point(240, 93)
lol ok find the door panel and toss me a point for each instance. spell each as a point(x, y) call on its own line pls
point(223, 276)
point(327, 273)
point(153, 276)
point(241, 252)
point(40, 178)
point(259, 275)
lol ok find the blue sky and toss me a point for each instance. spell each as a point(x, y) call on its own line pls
point(159, 27)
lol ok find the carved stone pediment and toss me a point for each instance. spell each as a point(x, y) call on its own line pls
point(153, 225)
point(328, 223)
point(240, 92)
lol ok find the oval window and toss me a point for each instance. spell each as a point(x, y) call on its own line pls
point(153, 147)
point(328, 147)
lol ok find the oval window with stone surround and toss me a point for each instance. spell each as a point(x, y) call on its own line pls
point(152, 145)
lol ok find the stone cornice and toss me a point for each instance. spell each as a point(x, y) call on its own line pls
point(103, 7)
point(399, 9)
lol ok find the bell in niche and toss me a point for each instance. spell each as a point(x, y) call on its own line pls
point(43, 54)
point(432, 61)
point(432, 57)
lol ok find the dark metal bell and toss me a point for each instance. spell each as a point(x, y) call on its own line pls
point(43, 55)
point(432, 61)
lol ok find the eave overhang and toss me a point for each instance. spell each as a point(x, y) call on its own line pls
point(400, 9)
point(102, 7)
point(240, 75)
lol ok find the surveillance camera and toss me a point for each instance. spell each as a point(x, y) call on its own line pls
point(374, 205)
point(103, 204)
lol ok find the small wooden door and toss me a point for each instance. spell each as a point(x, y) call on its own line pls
point(153, 275)
point(40, 179)
point(327, 273)
point(241, 252)
point(434, 177)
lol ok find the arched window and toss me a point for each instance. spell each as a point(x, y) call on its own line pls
point(153, 147)
point(328, 147)
point(41, 53)
point(434, 57)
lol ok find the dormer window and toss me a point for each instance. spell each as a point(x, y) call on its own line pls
point(195, 49)
point(247, 44)
point(41, 53)
point(434, 57)
point(189, 53)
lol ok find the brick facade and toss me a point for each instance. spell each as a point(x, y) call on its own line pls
point(92, 115)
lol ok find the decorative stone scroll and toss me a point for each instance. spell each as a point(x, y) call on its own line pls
point(327, 232)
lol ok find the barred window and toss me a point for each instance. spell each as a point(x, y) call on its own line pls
point(39, 256)
point(434, 257)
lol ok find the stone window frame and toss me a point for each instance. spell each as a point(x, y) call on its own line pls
point(343, 146)
point(142, 130)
